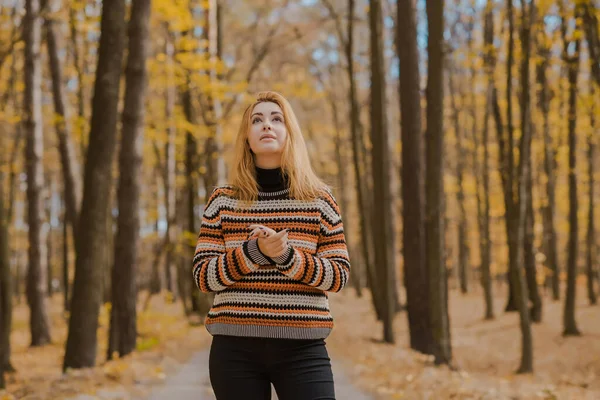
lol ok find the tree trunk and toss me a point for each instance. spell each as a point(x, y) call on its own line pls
point(572, 60)
point(124, 293)
point(526, 125)
point(49, 238)
point(155, 281)
point(5, 293)
point(215, 167)
point(81, 344)
point(34, 151)
point(65, 260)
point(201, 302)
point(463, 249)
point(6, 307)
point(70, 164)
point(529, 252)
point(549, 162)
point(413, 196)
point(341, 178)
point(591, 231)
point(169, 173)
point(434, 222)
point(356, 132)
point(80, 76)
point(486, 241)
point(519, 222)
point(507, 164)
point(590, 21)
point(382, 197)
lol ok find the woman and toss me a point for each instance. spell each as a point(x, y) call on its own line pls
point(271, 245)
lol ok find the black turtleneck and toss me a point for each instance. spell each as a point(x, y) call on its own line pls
point(270, 180)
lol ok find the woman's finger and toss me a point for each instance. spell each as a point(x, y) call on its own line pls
point(277, 236)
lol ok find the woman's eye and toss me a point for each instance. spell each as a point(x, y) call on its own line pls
point(255, 120)
point(277, 119)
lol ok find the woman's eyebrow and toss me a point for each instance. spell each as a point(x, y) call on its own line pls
point(257, 113)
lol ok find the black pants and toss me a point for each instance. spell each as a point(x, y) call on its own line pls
point(244, 368)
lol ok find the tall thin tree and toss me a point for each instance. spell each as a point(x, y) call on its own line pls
point(5, 290)
point(34, 152)
point(548, 210)
point(413, 195)
point(526, 124)
point(382, 197)
point(517, 224)
point(484, 208)
point(70, 164)
point(434, 187)
point(572, 62)
point(123, 325)
point(81, 346)
point(591, 226)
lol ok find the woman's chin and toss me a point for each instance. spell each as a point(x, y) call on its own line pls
point(268, 150)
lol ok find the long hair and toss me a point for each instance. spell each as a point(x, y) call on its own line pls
point(295, 163)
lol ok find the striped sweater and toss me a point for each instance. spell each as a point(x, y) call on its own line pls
point(258, 296)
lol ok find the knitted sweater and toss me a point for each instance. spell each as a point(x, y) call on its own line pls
point(283, 297)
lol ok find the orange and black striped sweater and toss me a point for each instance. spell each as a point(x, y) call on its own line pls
point(262, 297)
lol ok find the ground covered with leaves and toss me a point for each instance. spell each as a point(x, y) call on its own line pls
point(486, 354)
point(166, 340)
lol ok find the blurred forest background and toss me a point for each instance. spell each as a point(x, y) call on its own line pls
point(460, 138)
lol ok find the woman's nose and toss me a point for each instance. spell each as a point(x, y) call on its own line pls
point(267, 126)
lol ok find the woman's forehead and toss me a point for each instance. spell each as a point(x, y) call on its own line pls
point(266, 108)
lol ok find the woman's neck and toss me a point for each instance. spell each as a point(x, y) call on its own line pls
point(268, 161)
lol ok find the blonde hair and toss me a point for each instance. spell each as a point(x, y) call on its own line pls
point(304, 184)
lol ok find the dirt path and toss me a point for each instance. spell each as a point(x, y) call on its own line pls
point(192, 383)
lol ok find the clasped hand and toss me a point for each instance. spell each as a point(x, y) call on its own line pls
point(271, 243)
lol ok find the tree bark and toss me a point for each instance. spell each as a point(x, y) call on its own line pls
point(80, 75)
point(382, 197)
point(34, 151)
point(81, 344)
point(169, 173)
point(507, 164)
point(356, 133)
point(486, 241)
point(434, 222)
point(413, 195)
point(5, 293)
point(591, 228)
point(123, 329)
point(201, 302)
point(6, 306)
point(526, 125)
point(215, 166)
point(70, 164)
point(49, 238)
point(341, 178)
point(463, 249)
point(572, 60)
point(519, 222)
point(548, 211)
point(65, 260)
point(590, 21)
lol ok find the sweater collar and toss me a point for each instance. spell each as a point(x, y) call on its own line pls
point(270, 180)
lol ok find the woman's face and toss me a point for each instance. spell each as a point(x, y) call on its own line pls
point(267, 133)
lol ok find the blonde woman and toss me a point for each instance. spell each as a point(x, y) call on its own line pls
point(271, 245)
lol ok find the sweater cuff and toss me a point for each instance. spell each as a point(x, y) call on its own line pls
point(285, 258)
point(254, 253)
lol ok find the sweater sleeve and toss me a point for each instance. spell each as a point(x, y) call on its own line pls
point(214, 266)
point(329, 268)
